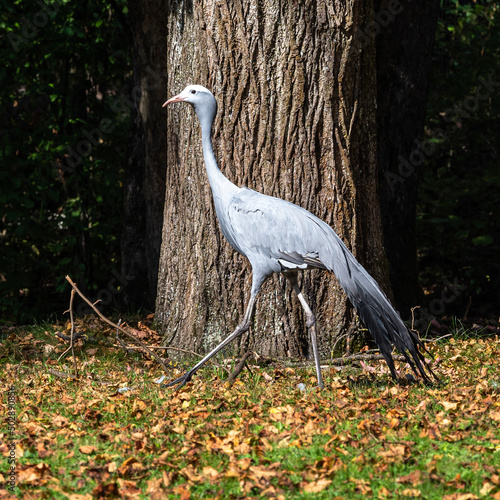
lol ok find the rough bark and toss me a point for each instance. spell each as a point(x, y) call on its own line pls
point(406, 31)
point(296, 120)
point(144, 186)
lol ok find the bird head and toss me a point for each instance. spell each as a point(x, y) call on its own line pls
point(199, 97)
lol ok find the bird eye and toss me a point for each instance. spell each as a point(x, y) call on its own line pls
point(193, 91)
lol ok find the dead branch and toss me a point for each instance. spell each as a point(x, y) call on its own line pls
point(72, 344)
point(109, 322)
point(237, 369)
point(362, 357)
point(439, 338)
point(345, 360)
point(72, 335)
point(120, 341)
point(61, 374)
point(78, 335)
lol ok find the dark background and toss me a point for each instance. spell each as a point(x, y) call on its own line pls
point(68, 107)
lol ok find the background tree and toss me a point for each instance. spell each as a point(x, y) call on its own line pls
point(404, 44)
point(68, 66)
point(144, 184)
point(297, 120)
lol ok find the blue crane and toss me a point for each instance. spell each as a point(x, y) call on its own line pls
point(279, 237)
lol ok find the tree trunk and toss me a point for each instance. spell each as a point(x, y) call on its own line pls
point(406, 31)
point(144, 189)
point(296, 120)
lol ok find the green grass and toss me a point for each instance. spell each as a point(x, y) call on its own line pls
point(362, 437)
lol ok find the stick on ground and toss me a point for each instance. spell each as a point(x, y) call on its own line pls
point(109, 322)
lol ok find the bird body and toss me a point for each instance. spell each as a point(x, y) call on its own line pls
point(278, 236)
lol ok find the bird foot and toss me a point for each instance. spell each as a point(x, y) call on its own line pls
point(181, 380)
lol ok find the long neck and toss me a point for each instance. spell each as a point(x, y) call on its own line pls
point(218, 182)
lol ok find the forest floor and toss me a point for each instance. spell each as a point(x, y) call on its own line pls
point(113, 432)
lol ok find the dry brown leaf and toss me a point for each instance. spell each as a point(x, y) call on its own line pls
point(412, 478)
point(210, 472)
point(260, 472)
point(154, 485)
point(317, 486)
point(190, 473)
point(112, 467)
point(127, 488)
point(87, 449)
point(384, 492)
point(362, 486)
point(411, 492)
point(129, 465)
point(33, 473)
point(183, 492)
point(486, 488)
point(495, 415)
point(60, 421)
point(244, 463)
point(461, 496)
point(102, 490)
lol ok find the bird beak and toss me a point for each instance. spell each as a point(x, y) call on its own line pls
point(176, 98)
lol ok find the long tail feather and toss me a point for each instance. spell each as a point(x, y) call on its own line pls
point(379, 316)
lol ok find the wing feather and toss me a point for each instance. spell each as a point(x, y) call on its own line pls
point(280, 235)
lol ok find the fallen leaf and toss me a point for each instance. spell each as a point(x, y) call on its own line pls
point(411, 492)
point(486, 489)
point(33, 473)
point(460, 496)
point(317, 486)
point(87, 449)
point(384, 492)
point(210, 472)
point(102, 490)
point(190, 473)
point(495, 415)
point(412, 478)
point(362, 486)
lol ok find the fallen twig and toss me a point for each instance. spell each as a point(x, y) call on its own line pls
point(439, 338)
point(345, 360)
point(72, 335)
point(60, 374)
point(120, 341)
point(363, 357)
point(237, 369)
point(109, 322)
point(77, 335)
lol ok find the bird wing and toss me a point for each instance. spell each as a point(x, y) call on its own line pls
point(273, 232)
point(266, 228)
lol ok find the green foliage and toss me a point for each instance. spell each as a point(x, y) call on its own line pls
point(65, 121)
point(459, 235)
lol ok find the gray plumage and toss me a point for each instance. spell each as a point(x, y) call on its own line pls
point(278, 236)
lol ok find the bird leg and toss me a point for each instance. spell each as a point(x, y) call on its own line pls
point(241, 328)
point(311, 324)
